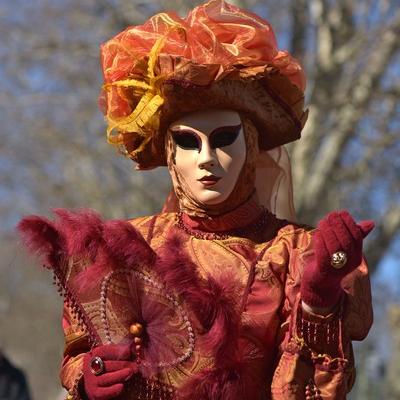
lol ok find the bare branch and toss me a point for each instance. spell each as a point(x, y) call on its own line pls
point(350, 113)
point(386, 230)
point(299, 16)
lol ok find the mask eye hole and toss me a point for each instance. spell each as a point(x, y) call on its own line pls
point(186, 140)
point(224, 136)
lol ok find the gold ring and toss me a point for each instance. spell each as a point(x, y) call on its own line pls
point(339, 259)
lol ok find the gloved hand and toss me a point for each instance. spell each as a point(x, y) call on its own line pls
point(337, 232)
point(115, 366)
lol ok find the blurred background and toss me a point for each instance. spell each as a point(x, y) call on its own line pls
point(53, 152)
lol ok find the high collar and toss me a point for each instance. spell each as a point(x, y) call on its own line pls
point(243, 216)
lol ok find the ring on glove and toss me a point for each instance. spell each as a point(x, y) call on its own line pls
point(339, 259)
point(96, 366)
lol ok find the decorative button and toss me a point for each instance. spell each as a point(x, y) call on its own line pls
point(136, 329)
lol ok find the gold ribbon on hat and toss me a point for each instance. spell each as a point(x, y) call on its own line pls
point(145, 118)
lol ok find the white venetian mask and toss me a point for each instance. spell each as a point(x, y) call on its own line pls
point(210, 152)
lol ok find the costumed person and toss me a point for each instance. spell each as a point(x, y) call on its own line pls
point(221, 296)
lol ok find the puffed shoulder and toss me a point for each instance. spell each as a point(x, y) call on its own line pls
point(297, 236)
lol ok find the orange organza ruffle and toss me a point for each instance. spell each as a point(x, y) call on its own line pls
point(213, 33)
point(216, 35)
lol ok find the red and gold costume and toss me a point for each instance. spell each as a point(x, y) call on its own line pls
point(279, 351)
point(215, 287)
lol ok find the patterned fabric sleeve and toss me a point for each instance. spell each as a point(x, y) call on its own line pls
point(316, 357)
point(76, 345)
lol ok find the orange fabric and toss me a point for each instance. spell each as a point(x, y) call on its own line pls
point(282, 364)
point(274, 184)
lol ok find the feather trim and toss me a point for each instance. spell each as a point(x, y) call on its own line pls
point(83, 231)
point(42, 238)
point(126, 245)
point(213, 300)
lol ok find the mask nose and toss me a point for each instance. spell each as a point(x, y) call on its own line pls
point(207, 157)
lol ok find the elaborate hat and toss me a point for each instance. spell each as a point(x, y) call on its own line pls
point(219, 56)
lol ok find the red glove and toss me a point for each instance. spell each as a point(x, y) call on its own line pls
point(321, 282)
point(116, 367)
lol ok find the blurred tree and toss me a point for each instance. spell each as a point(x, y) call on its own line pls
point(53, 151)
point(375, 356)
point(392, 382)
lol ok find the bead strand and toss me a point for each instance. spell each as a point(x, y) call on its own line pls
point(75, 309)
point(312, 392)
